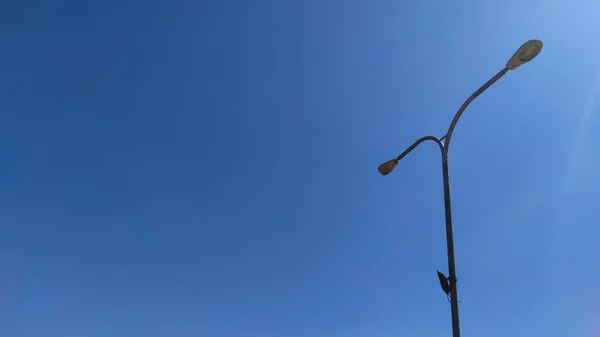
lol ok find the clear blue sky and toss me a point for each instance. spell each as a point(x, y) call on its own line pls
point(208, 168)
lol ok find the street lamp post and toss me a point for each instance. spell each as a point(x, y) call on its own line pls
point(524, 54)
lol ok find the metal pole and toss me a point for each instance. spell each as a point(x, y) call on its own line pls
point(450, 247)
point(447, 207)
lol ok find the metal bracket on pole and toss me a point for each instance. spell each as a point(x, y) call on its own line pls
point(444, 282)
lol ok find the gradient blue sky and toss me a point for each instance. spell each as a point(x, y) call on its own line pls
point(208, 168)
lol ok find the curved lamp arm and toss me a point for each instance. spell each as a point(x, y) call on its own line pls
point(527, 52)
point(417, 143)
point(389, 165)
point(468, 101)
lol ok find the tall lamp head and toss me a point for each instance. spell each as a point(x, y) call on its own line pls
point(527, 52)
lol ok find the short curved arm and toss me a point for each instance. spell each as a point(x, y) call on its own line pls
point(419, 141)
point(468, 101)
